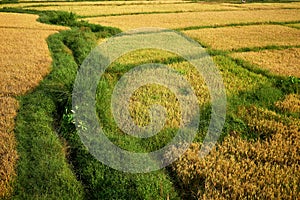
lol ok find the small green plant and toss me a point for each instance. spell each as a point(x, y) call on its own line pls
point(69, 119)
point(68, 116)
point(289, 84)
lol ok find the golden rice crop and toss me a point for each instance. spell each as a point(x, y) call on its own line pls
point(23, 3)
point(25, 21)
point(105, 2)
point(228, 38)
point(182, 20)
point(291, 103)
point(24, 58)
point(8, 154)
point(24, 61)
point(91, 10)
point(144, 56)
point(282, 62)
point(34, 0)
point(241, 169)
point(254, 6)
point(149, 95)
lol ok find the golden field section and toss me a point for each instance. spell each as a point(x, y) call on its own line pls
point(8, 154)
point(291, 103)
point(149, 95)
point(123, 7)
point(24, 61)
point(281, 62)
point(26, 22)
point(254, 6)
point(190, 19)
point(229, 38)
point(263, 169)
point(29, 3)
point(91, 10)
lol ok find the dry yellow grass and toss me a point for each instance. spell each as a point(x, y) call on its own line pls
point(281, 62)
point(24, 61)
point(228, 38)
point(92, 10)
point(240, 169)
point(182, 20)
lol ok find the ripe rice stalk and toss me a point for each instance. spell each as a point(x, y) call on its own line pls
point(8, 153)
point(291, 103)
point(25, 58)
point(229, 38)
point(38, 3)
point(26, 22)
point(191, 19)
point(282, 62)
point(241, 169)
point(255, 6)
point(156, 94)
point(92, 10)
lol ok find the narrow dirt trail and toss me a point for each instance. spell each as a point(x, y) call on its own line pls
point(24, 61)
